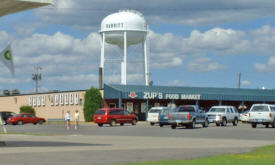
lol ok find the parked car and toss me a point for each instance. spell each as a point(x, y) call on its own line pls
point(163, 116)
point(262, 114)
point(158, 115)
point(5, 115)
point(189, 116)
point(112, 116)
point(244, 116)
point(25, 118)
point(221, 115)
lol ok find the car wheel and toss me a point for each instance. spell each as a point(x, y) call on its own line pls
point(20, 122)
point(161, 125)
point(224, 122)
point(40, 122)
point(112, 123)
point(205, 124)
point(218, 124)
point(266, 125)
point(34, 123)
point(273, 124)
point(152, 124)
point(122, 124)
point(100, 125)
point(134, 122)
point(235, 122)
point(254, 125)
point(173, 126)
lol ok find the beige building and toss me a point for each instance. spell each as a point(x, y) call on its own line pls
point(52, 105)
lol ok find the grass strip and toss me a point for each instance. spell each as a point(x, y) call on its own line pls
point(261, 156)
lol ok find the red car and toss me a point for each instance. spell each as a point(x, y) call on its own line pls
point(112, 116)
point(24, 118)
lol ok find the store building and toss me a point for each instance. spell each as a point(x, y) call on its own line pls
point(139, 99)
point(136, 98)
point(51, 105)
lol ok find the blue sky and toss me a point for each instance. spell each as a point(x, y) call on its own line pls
point(201, 43)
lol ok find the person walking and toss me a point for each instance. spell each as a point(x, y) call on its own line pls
point(68, 118)
point(76, 118)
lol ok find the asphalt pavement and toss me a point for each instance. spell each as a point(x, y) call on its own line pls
point(92, 145)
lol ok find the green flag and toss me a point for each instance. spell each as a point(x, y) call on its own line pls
point(7, 59)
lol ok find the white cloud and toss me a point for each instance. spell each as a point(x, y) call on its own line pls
point(176, 83)
point(268, 67)
point(264, 39)
point(186, 12)
point(63, 56)
point(221, 41)
point(245, 83)
point(204, 65)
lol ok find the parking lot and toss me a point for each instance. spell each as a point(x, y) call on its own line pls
point(53, 144)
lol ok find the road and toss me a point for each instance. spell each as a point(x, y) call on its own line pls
point(91, 145)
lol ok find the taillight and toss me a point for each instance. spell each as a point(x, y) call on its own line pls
point(270, 115)
point(168, 116)
point(189, 116)
point(158, 117)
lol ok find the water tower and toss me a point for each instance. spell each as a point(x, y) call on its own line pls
point(124, 28)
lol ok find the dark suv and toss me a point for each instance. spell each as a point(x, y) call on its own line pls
point(5, 115)
point(112, 116)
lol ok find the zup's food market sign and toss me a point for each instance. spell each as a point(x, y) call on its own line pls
point(166, 96)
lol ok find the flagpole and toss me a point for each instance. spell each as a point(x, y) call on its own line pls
point(2, 143)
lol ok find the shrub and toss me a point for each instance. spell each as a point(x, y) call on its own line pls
point(92, 102)
point(27, 109)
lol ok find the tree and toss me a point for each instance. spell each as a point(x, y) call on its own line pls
point(92, 102)
point(27, 109)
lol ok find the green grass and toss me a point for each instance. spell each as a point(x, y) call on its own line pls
point(261, 156)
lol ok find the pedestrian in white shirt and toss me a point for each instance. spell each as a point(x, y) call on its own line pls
point(68, 118)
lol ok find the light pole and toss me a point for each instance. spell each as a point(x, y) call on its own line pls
point(37, 77)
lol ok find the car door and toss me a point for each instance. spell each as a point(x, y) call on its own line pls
point(273, 112)
point(231, 115)
point(25, 118)
point(127, 117)
point(120, 116)
point(200, 116)
point(32, 119)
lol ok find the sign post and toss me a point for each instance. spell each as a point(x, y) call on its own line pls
point(4, 130)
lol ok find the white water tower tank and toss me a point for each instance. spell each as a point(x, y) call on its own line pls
point(124, 28)
point(116, 24)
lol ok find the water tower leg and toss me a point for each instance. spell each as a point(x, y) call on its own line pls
point(146, 72)
point(102, 60)
point(124, 62)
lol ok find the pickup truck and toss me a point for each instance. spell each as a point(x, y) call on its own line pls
point(221, 115)
point(189, 116)
point(262, 114)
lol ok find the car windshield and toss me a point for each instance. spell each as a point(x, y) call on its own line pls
point(186, 109)
point(260, 108)
point(154, 111)
point(100, 112)
point(17, 115)
point(217, 110)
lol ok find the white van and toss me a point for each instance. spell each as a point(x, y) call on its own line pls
point(154, 114)
point(262, 114)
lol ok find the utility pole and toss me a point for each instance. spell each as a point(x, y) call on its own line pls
point(36, 77)
point(239, 82)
